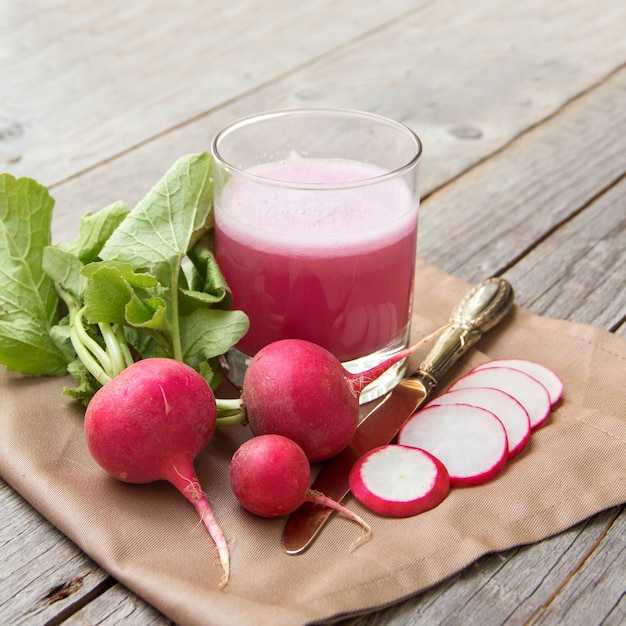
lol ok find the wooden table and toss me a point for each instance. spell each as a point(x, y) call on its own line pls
point(521, 108)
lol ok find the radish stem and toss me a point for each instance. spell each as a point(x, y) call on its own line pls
point(113, 348)
point(230, 412)
point(77, 337)
point(90, 344)
point(128, 357)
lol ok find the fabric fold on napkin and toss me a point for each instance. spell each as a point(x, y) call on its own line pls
point(150, 539)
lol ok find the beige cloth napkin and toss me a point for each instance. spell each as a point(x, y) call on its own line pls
point(150, 538)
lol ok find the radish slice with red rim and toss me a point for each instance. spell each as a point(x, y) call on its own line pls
point(547, 377)
point(505, 407)
point(470, 441)
point(399, 481)
point(528, 391)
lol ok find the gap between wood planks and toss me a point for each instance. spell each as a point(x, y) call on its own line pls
point(558, 225)
point(618, 511)
point(82, 602)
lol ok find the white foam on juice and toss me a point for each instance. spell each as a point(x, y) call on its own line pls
point(261, 214)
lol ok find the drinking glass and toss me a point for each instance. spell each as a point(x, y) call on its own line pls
point(316, 214)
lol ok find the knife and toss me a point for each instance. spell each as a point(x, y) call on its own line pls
point(480, 310)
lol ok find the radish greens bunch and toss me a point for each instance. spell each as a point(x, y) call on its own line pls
point(134, 283)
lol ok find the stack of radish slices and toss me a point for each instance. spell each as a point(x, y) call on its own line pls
point(462, 438)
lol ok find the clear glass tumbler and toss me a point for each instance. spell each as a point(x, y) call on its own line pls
point(316, 215)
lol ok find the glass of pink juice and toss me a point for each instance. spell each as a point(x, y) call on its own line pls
point(316, 232)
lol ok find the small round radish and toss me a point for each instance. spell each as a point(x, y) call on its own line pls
point(528, 391)
point(471, 442)
point(505, 407)
point(547, 377)
point(148, 424)
point(270, 476)
point(298, 389)
point(399, 481)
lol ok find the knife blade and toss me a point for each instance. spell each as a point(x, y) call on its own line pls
point(484, 306)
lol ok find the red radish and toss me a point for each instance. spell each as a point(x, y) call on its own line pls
point(528, 391)
point(547, 377)
point(270, 476)
point(300, 390)
point(471, 442)
point(399, 481)
point(507, 409)
point(149, 423)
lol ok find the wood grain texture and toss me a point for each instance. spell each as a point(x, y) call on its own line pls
point(499, 71)
point(117, 606)
point(42, 571)
point(498, 589)
point(594, 594)
point(579, 282)
point(487, 220)
point(92, 80)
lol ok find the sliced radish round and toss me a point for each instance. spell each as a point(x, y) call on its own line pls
point(505, 407)
point(548, 378)
point(528, 391)
point(470, 441)
point(399, 481)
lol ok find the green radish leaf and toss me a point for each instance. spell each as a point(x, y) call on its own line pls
point(28, 300)
point(207, 333)
point(25, 348)
point(64, 269)
point(117, 295)
point(95, 230)
point(205, 280)
point(157, 234)
point(149, 314)
point(134, 283)
point(159, 231)
point(165, 224)
point(141, 280)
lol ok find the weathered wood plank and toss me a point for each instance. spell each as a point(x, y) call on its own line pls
point(596, 593)
point(468, 77)
point(117, 606)
point(498, 589)
point(45, 578)
point(89, 80)
point(578, 270)
point(498, 69)
point(485, 221)
point(42, 571)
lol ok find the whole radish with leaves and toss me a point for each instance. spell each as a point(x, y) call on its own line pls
point(135, 308)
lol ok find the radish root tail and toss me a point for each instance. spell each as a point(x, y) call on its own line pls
point(188, 484)
point(206, 514)
point(367, 533)
point(319, 498)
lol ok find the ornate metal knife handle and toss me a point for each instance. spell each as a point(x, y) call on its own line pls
point(481, 309)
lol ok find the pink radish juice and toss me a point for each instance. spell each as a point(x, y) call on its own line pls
point(331, 261)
